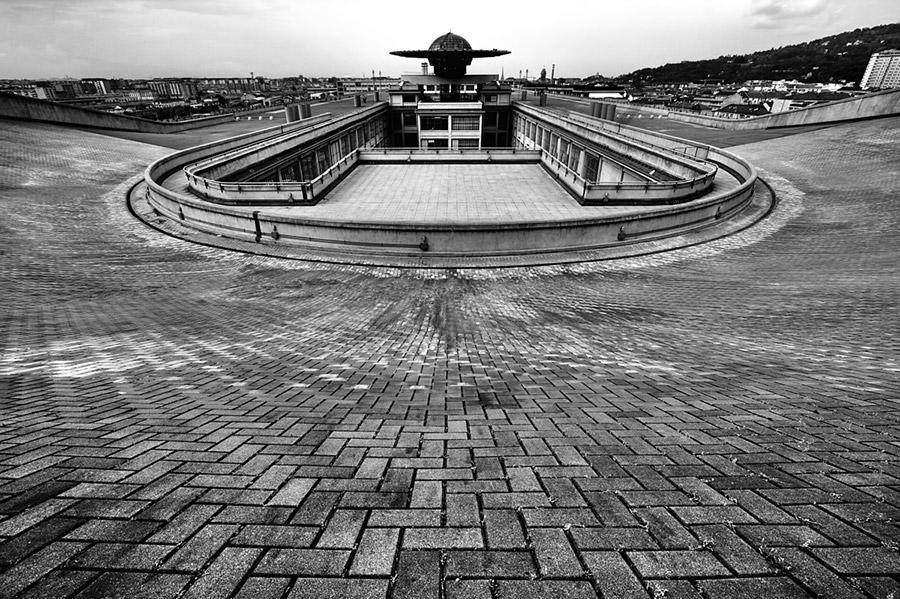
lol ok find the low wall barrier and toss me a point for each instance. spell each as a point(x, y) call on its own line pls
point(203, 175)
point(874, 105)
point(31, 109)
point(446, 239)
point(661, 160)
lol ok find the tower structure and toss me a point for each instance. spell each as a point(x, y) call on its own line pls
point(450, 109)
point(883, 71)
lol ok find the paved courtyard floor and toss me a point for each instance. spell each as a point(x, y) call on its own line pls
point(716, 421)
point(440, 194)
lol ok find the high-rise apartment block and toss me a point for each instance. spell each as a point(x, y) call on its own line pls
point(883, 71)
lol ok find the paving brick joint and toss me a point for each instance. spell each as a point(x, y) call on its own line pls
point(184, 421)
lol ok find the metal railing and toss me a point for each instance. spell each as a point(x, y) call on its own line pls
point(630, 191)
point(192, 171)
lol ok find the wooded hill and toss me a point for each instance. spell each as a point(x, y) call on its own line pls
point(832, 59)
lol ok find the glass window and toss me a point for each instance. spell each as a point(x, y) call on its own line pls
point(321, 161)
point(433, 123)
point(503, 120)
point(334, 152)
point(308, 167)
point(466, 123)
point(466, 143)
point(490, 119)
point(591, 164)
point(564, 152)
point(409, 119)
point(574, 156)
point(435, 144)
point(409, 98)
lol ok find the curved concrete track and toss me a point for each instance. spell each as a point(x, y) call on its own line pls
point(720, 420)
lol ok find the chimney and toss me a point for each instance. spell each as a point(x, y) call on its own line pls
point(424, 68)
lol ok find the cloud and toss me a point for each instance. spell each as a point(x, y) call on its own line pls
point(778, 14)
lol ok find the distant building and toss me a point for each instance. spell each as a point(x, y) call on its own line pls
point(349, 86)
point(883, 71)
point(228, 85)
point(44, 91)
point(174, 88)
point(100, 86)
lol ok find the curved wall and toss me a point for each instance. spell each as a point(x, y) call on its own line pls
point(443, 240)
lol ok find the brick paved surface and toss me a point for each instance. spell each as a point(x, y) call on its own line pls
point(180, 421)
point(456, 193)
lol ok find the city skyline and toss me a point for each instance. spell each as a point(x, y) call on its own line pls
point(275, 38)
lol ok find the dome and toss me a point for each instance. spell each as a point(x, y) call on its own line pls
point(450, 41)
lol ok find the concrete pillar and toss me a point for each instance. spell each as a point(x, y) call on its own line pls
point(305, 111)
point(596, 107)
point(612, 113)
point(357, 101)
point(524, 95)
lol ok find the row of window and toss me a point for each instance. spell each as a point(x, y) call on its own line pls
point(456, 144)
point(455, 122)
point(491, 119)
point(575, 157)
point(370, 134)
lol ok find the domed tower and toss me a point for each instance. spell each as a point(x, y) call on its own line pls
point(450, 109)
point(450, 54)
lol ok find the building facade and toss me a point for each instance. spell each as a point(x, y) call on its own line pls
point(449, 109)
point(883, 71)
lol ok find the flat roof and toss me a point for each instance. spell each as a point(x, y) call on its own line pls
point(450, 194)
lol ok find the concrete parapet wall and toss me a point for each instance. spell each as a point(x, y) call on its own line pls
point(443, 240)
point(449, 239)
point(655, 157)
point(387, 155)
point(157, 171)
point(223, 165)
point(875, 105)
point(30, 109)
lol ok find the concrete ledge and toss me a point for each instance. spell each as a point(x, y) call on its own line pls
point(871, 106)
point(758, 207)
point(30, 109)
point(443, 241)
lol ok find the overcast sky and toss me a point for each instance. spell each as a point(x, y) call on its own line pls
point(277, 38)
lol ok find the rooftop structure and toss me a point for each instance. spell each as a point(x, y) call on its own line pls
point(450, 54)
point(210, 387)
point(453, 171)
point(450, 109)
point(186, 421)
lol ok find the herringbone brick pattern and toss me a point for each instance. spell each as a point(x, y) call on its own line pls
point(180, 421)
